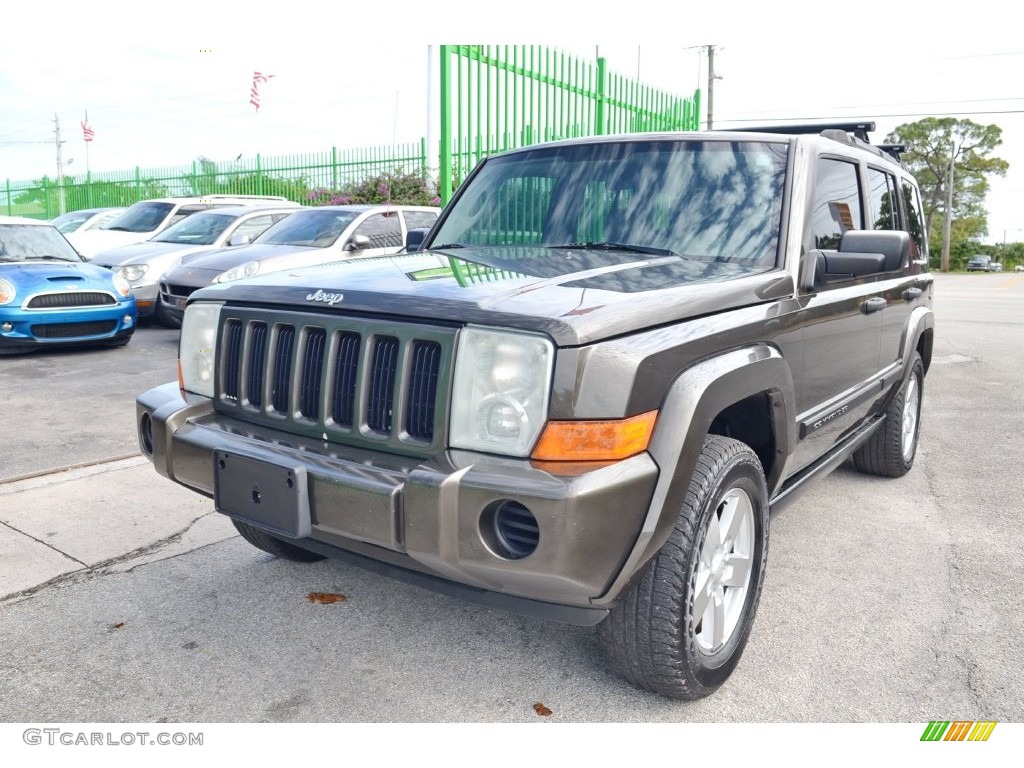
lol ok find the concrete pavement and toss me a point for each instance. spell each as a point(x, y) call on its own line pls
point(106, 517)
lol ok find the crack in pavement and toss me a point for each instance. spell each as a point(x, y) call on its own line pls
point(44, 543)
point(102, 568)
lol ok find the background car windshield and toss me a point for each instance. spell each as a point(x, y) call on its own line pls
point(141, 217)
point(200, 229)
point(716, 201)
point(26, 242)
point(69, 222)
point(315, 228)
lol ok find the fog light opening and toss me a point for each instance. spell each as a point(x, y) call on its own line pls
point(7, 327)
point(146, 435)
point(509, 529)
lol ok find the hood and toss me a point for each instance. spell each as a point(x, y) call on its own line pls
point(141, 253)
point(223, 259)
point(95, 241)
point(576, 296)
point(46, 276)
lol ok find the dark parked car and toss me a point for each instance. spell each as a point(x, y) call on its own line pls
point(50, 297)
point(310, 236)
point(580, 400)
point(980, 263)
point(144, 264)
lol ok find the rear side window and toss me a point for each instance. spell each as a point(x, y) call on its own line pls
point(915, 222)
point(419, 219)
point(883, 199)
point(836, 208)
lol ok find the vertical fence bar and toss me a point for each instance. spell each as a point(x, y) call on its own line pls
point(445, 154)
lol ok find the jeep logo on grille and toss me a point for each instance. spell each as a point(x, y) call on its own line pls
point(327, 298)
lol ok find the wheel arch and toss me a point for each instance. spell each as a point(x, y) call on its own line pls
point(712, 396)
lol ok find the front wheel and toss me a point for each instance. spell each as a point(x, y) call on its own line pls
point(680, 630)
point(890, 451)
point(273, 545)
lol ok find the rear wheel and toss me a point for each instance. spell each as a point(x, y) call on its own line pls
point(273, 545)
point(680, 631)
point(890, 451)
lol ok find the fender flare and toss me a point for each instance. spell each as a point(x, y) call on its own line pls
point(696, 396)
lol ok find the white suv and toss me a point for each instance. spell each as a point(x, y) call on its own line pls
point(147, 217)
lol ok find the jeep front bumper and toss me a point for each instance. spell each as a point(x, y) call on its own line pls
point(440, 518)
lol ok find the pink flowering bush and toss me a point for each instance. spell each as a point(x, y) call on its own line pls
point(395, 187)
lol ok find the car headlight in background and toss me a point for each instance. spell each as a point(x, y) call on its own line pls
point(121, 285)
point(7, 292)
point(502, 385)
point(133, 272)
point(197, 349)
point(248, 269)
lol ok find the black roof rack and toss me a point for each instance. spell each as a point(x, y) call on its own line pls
point(858, 129)
point(896, 150)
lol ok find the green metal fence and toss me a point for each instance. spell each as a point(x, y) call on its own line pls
point(297, 177)
point(495, 98)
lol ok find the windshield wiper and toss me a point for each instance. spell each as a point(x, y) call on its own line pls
point(118, 229)
point(46, 257)
point(608, 246)
point(446, 246)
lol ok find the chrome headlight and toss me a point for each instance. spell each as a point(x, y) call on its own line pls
point(248, 269)
point(197, 350)
point(502, 385)
point(133, 272)
point(7, 292)
point(121, 285)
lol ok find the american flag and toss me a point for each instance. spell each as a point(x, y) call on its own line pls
point(254, 94)
point(87, 132)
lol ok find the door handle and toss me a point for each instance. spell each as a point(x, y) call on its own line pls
point(911, 293)
point(876, 304)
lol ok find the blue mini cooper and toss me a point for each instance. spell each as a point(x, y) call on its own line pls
point(50, 296)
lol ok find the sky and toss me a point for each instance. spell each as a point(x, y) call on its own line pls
point(165, 86)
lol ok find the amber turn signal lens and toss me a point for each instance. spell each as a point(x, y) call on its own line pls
point(595, 440)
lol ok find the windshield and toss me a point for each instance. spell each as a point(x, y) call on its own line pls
point(703, 200)
point(69, 222)
point(141, 217)
point(26, 242)
point(314, 228)
point(198, 229)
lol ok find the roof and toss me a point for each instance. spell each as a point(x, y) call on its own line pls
point(22, 220)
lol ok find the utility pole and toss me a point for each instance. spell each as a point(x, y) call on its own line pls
point(947, 221)
point(61, 207)
point(711, 85)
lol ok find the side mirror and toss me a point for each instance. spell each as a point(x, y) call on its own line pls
point(358, 243)
point(414, 239)
point(861, 252)
point(239, 240)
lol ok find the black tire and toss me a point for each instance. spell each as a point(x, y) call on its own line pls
point(273, 545)
point(164, 317)
point(890, 451)
point(652, 637)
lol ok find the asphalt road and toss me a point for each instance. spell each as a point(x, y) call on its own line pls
point(885, 600)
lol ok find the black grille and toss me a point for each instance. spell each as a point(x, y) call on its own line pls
point(233, 358)
point(345, 369)
point(71, 299)
point(341, 379)
point(312, 372)
point(420, 407)
point(281, 385)
point(257, 364)
point(382, 384)
point(184, 291)
point(73, 330)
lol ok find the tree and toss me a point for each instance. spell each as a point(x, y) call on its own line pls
point(938, 146)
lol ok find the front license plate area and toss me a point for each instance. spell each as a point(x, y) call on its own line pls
point(267, 495)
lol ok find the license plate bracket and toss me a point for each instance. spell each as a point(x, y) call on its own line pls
point(260, 492)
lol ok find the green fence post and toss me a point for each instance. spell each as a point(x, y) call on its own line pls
point(9, 208)
point(423, 159)
point(46, 198)
point(602, 96)
point(334, 168)
point(445, 171)
point(259, 175)
point(88, 188)
point(138, 184)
